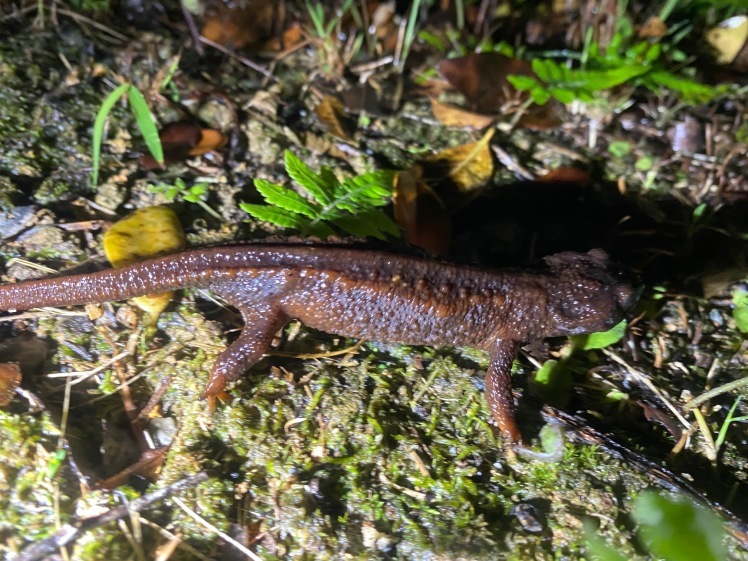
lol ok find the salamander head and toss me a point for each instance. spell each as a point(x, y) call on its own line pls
point(588, 293)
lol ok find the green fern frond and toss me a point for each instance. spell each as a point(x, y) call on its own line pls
point(331, 207)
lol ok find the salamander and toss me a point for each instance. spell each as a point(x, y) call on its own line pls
point(371, 294)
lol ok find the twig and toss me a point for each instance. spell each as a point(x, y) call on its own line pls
point(224, 536)
point(68, 533)
point(244, 60)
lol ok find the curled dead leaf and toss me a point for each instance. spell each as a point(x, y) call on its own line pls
point(482, 79)
point(242, 25)
point(330, 112)
point(10, 380)
point(566, 174)
point(183, 139)
point(420, 213)
point(458, 174)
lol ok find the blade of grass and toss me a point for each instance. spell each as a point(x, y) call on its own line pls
point(98, 131)
point(146, 124)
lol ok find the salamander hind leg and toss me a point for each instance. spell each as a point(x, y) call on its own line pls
point(499, 388)
point(262, 320)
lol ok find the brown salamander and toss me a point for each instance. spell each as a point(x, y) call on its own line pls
point(368, 294)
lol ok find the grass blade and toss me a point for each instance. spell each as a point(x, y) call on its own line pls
point(146, 123)
point(98, 131)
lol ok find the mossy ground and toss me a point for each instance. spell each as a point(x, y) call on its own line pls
point(385, 452)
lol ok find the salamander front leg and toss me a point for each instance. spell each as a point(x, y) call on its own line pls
point(261, 325)
point(499, 388)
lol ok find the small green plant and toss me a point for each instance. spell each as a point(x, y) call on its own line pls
point(325, 34)
point(143, 117)
point(731, 418)
point(410, 34)
point(625, 60)
point(179, 190)
point(740, 312)
point(673, 528)
point(553, 380)
point(350, 206)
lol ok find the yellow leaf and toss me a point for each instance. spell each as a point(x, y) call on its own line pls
point(147, 232)
point(331, 113)
point(728, 38)
point(456, 117)
point(469, 166)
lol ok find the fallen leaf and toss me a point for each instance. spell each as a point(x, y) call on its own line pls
point(420, 213)
point(242, 25)
point(183, 139)
point(330, 112)
point(458, 174)
point(291, 36)
point(729, 38)
point(453, 116)
point(10, 380)
point(147, 232)
point(566, 174)
point(481, 78)
point(653, 28)
point(210, 141)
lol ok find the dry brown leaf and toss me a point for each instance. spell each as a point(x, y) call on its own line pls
point(420, 213)
point(330, 112)
point(292, 35)
point(653, 28)
point(10, 379)
point(453, 116)
point(246, 24)
point(482, 79)
point(183, 139)
point(210, 140)
point(468, 167)
point(566, 174)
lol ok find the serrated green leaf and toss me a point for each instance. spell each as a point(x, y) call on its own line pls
point(353, 193)
point(539, 96)
point(372, 223)
point(146, 123)
point(563, 95)
point(685, 86)
point(382, 222)
point(319, 186)
point(278, 216)
point(741, 319)
point(353, 224)
point(522, 83)
point(374, 187)
point(601, 339)
point(285, 198)
point(318, 229)
point(543, 68)
point(98, 130)
point(604, 79)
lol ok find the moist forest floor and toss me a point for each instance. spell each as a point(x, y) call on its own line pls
point(339, 449)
